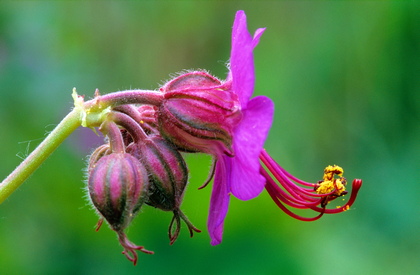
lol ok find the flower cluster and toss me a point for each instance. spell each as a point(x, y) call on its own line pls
point(147, 133)
point(141, 162)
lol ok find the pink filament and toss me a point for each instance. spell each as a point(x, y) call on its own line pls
point(289, 193)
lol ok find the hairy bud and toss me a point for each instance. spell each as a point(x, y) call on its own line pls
point(117, 186)
point(199, 113)
point(168, 176)
point(167, 171)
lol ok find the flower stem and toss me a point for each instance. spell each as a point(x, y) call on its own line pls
point(40, 154)
point(87, 114)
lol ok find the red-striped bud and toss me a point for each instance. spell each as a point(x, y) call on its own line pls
point(199, 113)
point(168, 176)
point(167, 170)
point(117, 186)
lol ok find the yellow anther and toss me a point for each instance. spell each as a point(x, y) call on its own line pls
point(325, 187)
point(332, 170)
point(329, 184)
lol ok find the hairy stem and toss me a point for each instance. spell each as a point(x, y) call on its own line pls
point(88, 114)
point(40, 154)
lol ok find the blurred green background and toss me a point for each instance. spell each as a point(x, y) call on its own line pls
point(344, 78)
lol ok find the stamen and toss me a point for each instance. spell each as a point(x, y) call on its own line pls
point(356, 185)
point(283, 188)
point(286, 210)
point(268, 158)
point(294, 201)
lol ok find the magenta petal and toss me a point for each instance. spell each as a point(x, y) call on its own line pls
point(242, 59)
point(241, 174)
point(245, 179)
point(219, 202)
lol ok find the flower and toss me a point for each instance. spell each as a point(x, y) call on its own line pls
point(240, 174)
point(243, 175)
point(200, 113)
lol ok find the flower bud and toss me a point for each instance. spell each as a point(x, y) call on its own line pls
point(167, 170)
point(168, 177)
point(199, 113)
point(117, 186)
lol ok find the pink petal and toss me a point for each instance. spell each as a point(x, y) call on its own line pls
point(219, 202)
point(242, 59)
point(245, 179)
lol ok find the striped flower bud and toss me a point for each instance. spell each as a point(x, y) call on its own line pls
point(117, 187)
point(199, 113)
point(167, 171)
point(168, 176)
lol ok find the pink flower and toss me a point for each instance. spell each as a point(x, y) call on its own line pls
point(240, 174)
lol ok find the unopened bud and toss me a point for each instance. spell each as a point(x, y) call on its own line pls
point(168, 176)
point(199, 113)
point(117, 186)
point(167, 170)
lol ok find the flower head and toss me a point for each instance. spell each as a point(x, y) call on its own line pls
point(200, 113)
point(243, 175)
point(141, 161)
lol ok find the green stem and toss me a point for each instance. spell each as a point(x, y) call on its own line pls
point(40, 154)
point(88, 114)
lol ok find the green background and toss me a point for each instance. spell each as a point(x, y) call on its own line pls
point(344, 78)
